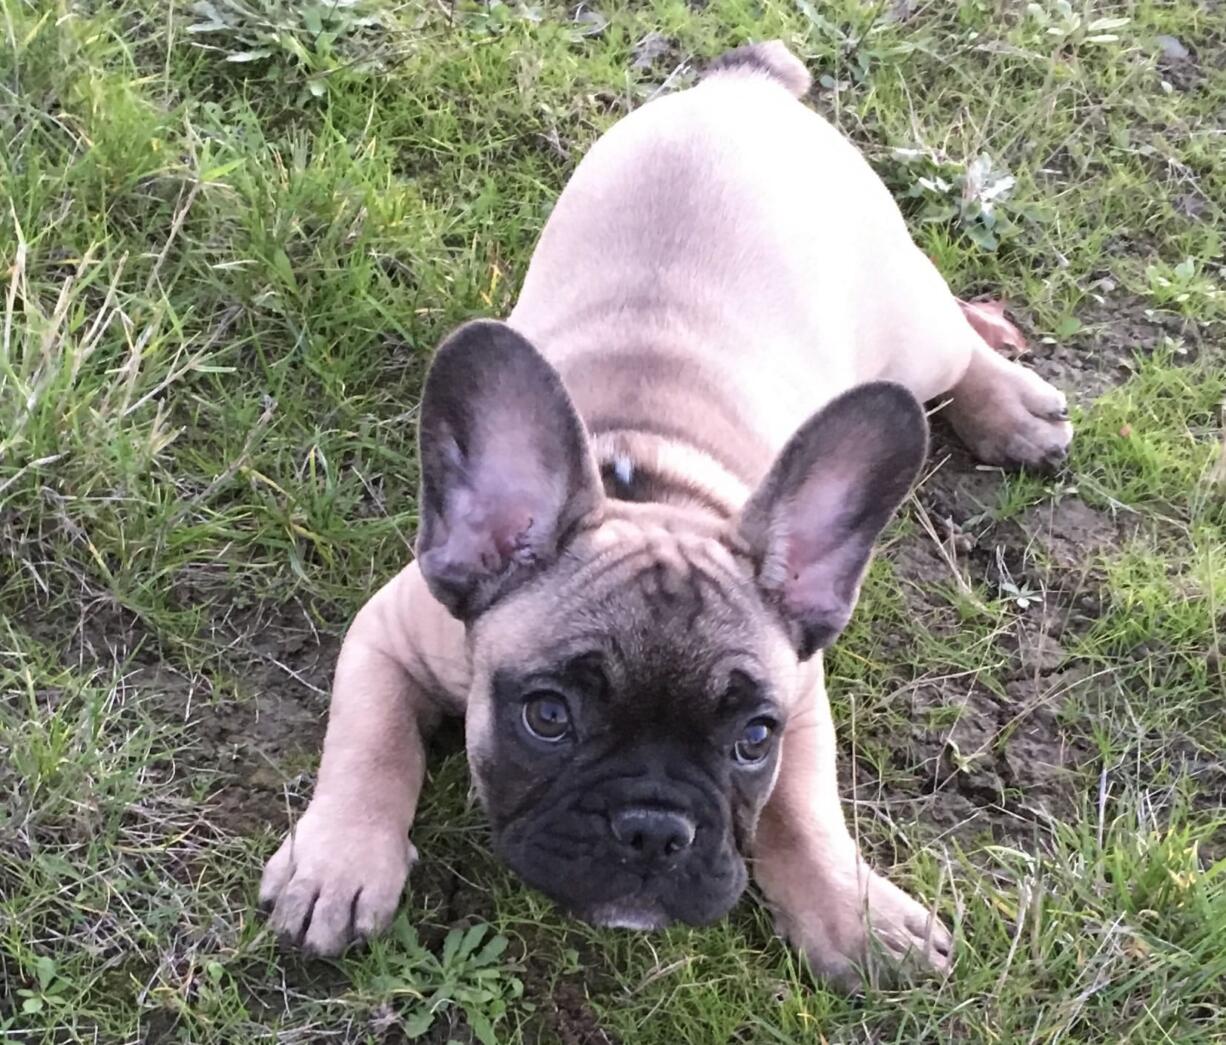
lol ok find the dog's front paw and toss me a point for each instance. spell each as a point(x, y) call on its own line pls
point(335, 880)
point(867, 929)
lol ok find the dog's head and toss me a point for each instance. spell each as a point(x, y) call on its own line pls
point(634, 664)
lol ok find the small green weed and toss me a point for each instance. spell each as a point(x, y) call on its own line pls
point(972, 196)
point(1060, 22)
point(419, 986)
point(48, 991)
point(1186, 288)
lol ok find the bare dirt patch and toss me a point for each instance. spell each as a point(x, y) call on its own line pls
point(1006, 760)
point(572, 1020)
point(1103, 354)
point(998, 754)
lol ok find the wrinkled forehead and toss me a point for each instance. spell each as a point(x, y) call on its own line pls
point(653, 601)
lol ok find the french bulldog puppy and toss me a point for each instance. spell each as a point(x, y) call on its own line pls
point(647, 503)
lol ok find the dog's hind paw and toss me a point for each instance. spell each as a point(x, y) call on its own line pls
point(1008, 415)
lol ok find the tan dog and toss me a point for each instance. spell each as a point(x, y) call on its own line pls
point(647, 504)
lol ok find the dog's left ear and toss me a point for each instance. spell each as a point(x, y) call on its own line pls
point(506, 468)
point(811, 524)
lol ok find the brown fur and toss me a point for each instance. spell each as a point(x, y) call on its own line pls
point(664, 472)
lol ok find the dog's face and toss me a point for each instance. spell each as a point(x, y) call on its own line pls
point(634, 664)
point(624, 721)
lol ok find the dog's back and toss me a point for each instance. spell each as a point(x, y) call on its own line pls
point(707, 253)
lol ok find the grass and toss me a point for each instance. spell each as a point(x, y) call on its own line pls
point(232, 234)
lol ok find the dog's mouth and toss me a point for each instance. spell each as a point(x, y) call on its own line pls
point(628, 851)
point(595, 889)
point(630, 913)
point(659, 904)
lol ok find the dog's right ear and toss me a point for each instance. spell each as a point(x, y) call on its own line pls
point(811, 525)
point(506, 467)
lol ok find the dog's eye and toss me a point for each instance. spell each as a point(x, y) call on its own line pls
point(546, 717)
point(755, 742)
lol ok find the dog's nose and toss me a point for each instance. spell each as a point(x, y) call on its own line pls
point(649, 834)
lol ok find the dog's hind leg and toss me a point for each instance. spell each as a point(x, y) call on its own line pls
point(1006, 414)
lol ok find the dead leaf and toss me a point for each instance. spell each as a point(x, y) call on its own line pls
point(1125, 431)
point(988, 319)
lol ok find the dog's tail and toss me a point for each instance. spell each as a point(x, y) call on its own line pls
point(771, 59)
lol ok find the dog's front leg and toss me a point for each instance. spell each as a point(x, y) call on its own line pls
point(339, 873)
point(848, 921)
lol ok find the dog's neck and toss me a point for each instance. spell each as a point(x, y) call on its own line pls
point(644, 467)
point(665, 427)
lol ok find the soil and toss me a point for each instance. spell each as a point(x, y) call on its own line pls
point(1116, 331)
point(571, 1020)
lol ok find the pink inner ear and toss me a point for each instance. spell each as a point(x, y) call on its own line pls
point(814, 518)
point(823, 584)
point(505, 506)
point(487, 534)
point(823, 555)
